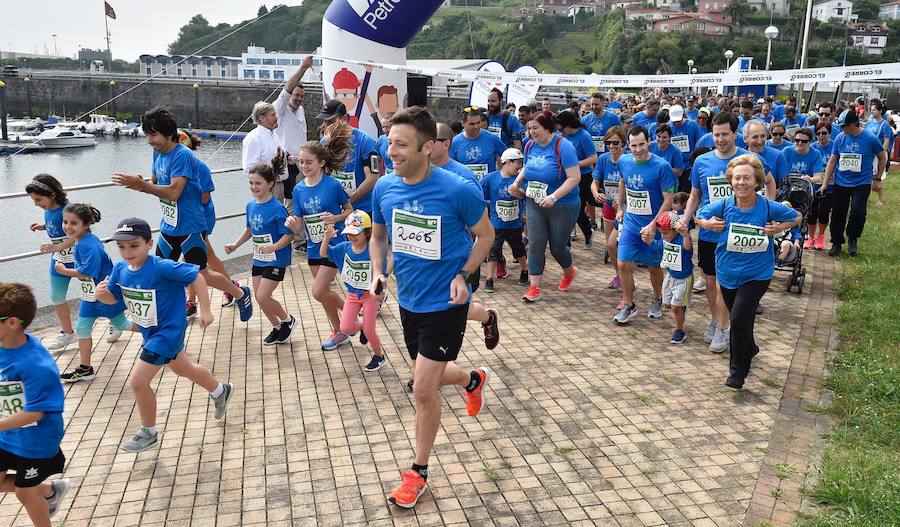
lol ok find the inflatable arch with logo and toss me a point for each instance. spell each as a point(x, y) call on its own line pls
point(375, 31)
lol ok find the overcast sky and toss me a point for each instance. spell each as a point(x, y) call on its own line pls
point(140, 26)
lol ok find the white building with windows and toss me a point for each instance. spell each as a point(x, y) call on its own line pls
point(194, 66)
point(871, 39)
point(834, 11)
point(258, 64)
point(890, 11)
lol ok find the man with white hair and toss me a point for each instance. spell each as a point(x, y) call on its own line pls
point(262, 146)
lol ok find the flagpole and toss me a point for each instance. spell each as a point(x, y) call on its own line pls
point(106, 23)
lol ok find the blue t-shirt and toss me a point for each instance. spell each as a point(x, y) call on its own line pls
point(783, 146)
point(807, 164)
point(645, 182)
point(266, 224)
point(513, 129)
point(777, 112)
point(381, 146)
point(693, 132)
point(542, 165)
point(734, 268)
point(188, 216)
point(53, 219)
point(207, 185)
point(354, 172)
point(91, 260)
point(427, 224)
point(792, 125)
point(774, 162)
point(856, 155)
point(706, 166)
point(337, 254)
point(614, 105)
point(607, 170)
point(463, 171)
point(880, 129)
point(642, 119)
point(584, 147)
point(707, 141)
point(687, 259)
point(31, 371)
point(157, 288)
point(825, 150)
point(670, 154)
point(598, 126)
point(310, 202)
point(692, 114)
point(483, 150)
point(496, 188)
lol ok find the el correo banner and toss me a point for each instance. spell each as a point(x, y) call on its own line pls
point(836, 74)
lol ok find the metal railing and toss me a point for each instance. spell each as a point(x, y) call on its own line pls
point(31, 254)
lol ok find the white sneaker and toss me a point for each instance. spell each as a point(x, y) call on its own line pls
point(710, 331)
point(60, 489)
point(700, 285)
point(62, 340)
point(113, 335)
point(720, 340)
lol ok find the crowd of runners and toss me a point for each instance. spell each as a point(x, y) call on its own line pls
point(431, 204)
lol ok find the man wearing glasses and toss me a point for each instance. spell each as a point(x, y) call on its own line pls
point(475, 147)
point(826, 114)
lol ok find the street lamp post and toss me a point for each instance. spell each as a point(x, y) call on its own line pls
point(771, 34)
point(728, 55)
point(690, 64)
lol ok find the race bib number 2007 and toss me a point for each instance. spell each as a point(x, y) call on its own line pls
point(744, 238)
point(416, 234)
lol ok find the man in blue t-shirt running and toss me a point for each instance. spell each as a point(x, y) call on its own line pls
point(429, 215)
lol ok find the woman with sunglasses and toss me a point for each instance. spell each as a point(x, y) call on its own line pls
point(778, 132)
point(879, 126)
point(808, 161)
point(821, 207)
point(605, 189)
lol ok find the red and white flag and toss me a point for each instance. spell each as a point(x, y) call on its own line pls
point(110, 12)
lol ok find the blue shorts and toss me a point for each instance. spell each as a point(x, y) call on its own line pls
point(633, 249)
point(151, 357)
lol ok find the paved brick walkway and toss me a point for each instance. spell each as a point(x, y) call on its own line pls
point(589, 423)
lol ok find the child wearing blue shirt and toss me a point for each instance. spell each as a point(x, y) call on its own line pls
point(677, 260)
point(271, 250)
point(505, 212)
point(352, 258)
point(92, 266)
point(153, 290)
point(47, 194)
point(31, 423)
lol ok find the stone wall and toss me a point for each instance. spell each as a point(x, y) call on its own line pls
point(221, 105)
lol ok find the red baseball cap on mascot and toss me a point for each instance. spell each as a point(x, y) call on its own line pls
point(345, 80)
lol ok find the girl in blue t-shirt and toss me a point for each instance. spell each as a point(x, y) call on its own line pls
point(605, 188)
point(265, 226)
point(92, 266)
point(352, 258)
point(320, 201)
point(48, 194)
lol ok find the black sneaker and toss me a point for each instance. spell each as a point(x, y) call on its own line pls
point(191, 309)
point(81, 373)
point(492, 329)
point(375, 364)
point(734, 382)
point(363, 339)
point(852, 248)
point(410, 384)
point(285, 330)
point(489, 285)
point(523, 278)
point(272, 338)
point(835, 249)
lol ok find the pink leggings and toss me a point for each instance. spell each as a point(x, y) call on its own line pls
point(369, 304)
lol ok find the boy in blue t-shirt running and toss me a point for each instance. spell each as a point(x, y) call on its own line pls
point(678, 251)
point(153, 290)
point(31, 406)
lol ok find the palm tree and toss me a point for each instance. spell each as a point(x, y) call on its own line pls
point(737, 10)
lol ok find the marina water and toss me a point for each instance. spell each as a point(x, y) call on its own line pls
point(79, 166)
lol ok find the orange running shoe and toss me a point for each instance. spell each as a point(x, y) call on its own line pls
point(533, 294)
point(567, 279)
point(408, 492)
point(476, 400)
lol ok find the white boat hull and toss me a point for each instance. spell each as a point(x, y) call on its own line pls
point(67, 142)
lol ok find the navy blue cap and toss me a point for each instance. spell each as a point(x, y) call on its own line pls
point(131, 228)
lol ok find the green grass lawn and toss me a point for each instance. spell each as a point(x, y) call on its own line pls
point(859, 484)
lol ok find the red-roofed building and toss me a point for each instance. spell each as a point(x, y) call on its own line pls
point(692, 21)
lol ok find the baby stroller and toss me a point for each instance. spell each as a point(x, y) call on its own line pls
point(799, 192)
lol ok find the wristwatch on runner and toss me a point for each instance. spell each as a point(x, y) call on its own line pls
point(465, 274)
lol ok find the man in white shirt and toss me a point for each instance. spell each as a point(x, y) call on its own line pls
point(292, 132)
point(261, 145)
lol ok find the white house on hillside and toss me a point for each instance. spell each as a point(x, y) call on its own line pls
point(834, 11)
point(890, 11)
